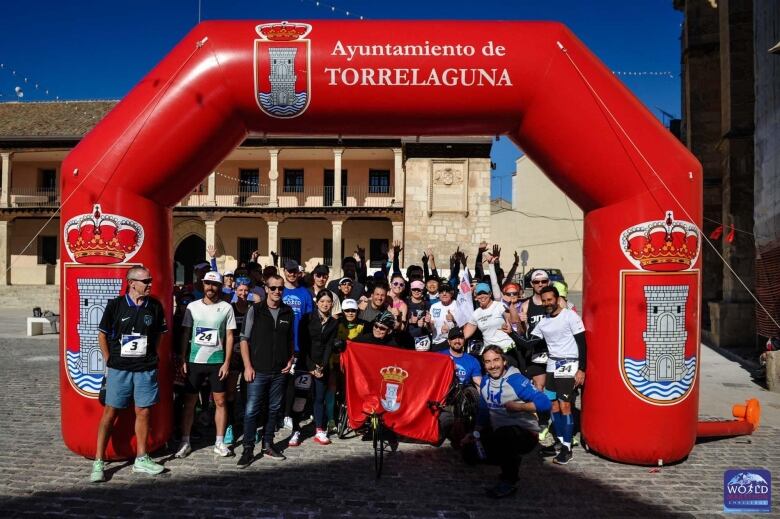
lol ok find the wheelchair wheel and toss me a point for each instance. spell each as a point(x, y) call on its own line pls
point(466, 409)
point(343, 426)
point(379, 445)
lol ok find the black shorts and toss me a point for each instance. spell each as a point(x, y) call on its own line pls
point(563, 387)
point(199, 374)
point(533, 369)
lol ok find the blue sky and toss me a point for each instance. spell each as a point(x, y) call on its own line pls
point(84, 49)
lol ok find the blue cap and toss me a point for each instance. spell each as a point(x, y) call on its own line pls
point(482, 288)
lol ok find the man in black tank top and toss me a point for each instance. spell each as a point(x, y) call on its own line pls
point(531, 312)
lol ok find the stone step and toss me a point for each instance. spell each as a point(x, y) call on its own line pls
point(47, 297)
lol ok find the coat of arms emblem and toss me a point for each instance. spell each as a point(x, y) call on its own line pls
point(282, 69)
point(392, 387)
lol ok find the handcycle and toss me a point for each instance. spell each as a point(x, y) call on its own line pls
point(462, 400)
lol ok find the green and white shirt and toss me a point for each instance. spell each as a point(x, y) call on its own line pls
point(209, 324)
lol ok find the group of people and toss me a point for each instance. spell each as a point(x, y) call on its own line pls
point(273, 336)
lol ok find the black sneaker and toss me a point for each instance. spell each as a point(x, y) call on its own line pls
point(550, 450)
point(273, 454)
point(563, 457)
point(247, 456)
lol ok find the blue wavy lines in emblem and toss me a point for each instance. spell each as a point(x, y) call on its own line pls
point(660, 390)
point(89, 382)
point(283, 110)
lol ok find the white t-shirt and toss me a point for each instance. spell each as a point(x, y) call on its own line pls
point(558, 332)
point(489, 321)
point(439, 319)
point(210, 325)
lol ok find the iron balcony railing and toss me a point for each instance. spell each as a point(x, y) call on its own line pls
point(34, 197)
point(291, 197)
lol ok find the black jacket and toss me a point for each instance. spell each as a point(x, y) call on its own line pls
point(368, 338)
point(315, 339)
point(270, 342)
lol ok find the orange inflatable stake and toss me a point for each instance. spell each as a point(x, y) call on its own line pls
point(747, 417)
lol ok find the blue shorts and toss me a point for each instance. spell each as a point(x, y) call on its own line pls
point(124, 386)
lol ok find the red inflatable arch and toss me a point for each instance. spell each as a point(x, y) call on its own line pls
point(534, 82)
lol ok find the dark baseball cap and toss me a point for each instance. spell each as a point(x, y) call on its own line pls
point(291, 265)
point(455, 333)
point(321, 270)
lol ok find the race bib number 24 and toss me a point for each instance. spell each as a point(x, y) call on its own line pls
point(206, 337)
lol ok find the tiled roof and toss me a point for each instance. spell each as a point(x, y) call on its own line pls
point(51, 119)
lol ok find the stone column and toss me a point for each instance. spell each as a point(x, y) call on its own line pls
point(398, 236)
point(212, 189)
point(273, 177)
point(5, 198)
point(211, 235)
point(5, 251)
point(398, 175)
point(337, 153)
point(335, 253)
point(273, 240)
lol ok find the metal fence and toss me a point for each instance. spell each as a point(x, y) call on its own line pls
point(290, 196)
point(34, 197)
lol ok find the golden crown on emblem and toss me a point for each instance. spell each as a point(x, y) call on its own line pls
point(394, 374)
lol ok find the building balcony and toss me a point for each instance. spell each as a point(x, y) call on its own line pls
point(290, 197)
point(34, 197)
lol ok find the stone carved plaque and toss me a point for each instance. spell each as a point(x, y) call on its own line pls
point(449, 187)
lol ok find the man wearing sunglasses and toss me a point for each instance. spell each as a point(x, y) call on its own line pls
point(267, 352)
point(128, 335)
point(381, 331)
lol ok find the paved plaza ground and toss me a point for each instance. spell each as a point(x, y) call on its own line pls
point(41, 477)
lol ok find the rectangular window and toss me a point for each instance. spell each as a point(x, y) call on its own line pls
point(246, 246)
point(249, 180)
point(378, 180)
point(47, 250)
point(49, 179)
point(293, 181)
point(291, 249)
point(327, 251)
point(377, 252)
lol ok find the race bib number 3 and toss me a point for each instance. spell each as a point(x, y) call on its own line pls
point(566, 368)
point(133, 346)
point(206, 337)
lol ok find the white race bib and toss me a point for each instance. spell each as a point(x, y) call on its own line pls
point(539, 358)
point(422, 343)
point(566, 368)
point(133, 346)
point(206, 337)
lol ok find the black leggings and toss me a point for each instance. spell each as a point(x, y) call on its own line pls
point(505, 446)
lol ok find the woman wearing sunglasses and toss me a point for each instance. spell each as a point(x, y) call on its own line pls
point(397, 305)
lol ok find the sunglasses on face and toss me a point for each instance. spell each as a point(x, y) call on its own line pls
point(145, 281)
point(320, 275)
point(539, 282)
point(275, 288)
point(417, 290)
point(399, 284)
point(510, 294)
point(381, 327)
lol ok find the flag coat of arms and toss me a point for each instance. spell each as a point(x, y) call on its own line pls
point(282, 66)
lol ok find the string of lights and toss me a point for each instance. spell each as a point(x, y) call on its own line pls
point(334, 8)
point(664, 74)
point(21, 85)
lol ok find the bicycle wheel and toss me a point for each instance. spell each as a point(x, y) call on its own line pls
point(343, 426)
point(379, 445)
point(467, 409)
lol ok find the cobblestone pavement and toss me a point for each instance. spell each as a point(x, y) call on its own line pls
point(41, 477)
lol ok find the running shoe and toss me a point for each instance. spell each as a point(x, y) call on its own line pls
point(98, 475)
point(221, 449)
point(331, 426)
point(257, 437)
point(544, 432)
point(295, 439)
point(184, 450)
point(503, 489)
point(273, 454)
point(247, 456)
point(147, 465)
point(229, 435)
point(322, 437)
point(288, 422)
point(549, 450)
point(563, 457)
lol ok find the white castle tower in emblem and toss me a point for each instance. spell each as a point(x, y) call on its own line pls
point(665, 336)
point(282, 76)
point(94, 294)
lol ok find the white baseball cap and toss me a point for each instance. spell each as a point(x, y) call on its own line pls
point(214, 277)
point(539, 274)
point(349, 304)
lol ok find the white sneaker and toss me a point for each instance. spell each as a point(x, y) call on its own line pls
point(295, 439)
point(288, 422)
point(184, 450)
point(221, 450)
point(322, 437)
